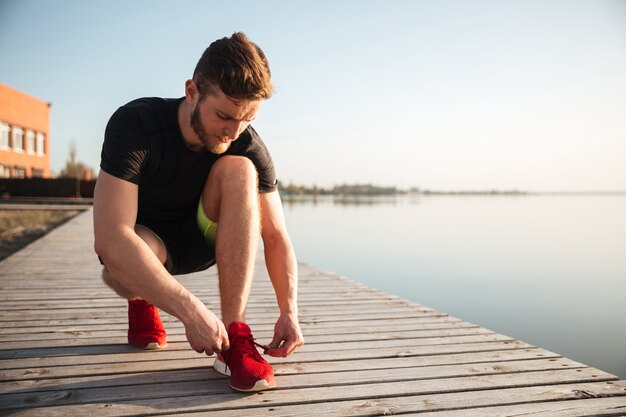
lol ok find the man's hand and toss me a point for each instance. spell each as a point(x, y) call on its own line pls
point(287, 336)
point(206, 333)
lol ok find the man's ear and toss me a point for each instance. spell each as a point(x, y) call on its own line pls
point(191, 91)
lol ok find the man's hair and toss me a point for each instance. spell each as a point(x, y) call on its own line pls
point(237, 66)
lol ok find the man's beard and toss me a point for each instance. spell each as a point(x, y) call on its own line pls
point(215, 146)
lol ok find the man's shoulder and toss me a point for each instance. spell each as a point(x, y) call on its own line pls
point(252, 139)
point(148, 103)
point(249, 144)
point(147, 113)
point(152, 108)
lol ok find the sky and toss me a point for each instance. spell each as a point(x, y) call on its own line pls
point(441, 95)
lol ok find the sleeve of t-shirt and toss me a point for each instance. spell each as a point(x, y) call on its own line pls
point(125, 148)
point(262, 160)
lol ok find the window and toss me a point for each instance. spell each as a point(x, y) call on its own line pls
point(4, 136)
point(41, 144)
point(19, 172)
point(37, 172)
point(30, 141)
point(5, 172)
point(18, 139)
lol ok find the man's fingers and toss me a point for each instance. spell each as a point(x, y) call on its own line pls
point(276, 352)
point(275, 343)
point(213, 349)
point(286, 349)
point(274, 348)
point(225, 346)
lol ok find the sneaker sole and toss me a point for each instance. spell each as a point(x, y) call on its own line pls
point(150, 346)
point(220, 367)
point(260, 385)
point(154, 346)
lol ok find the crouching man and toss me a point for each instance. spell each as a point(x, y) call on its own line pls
point(186, 184)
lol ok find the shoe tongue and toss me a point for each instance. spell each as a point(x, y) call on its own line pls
point(238, 329)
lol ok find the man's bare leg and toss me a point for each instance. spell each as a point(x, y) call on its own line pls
point(231, 199)
point(157, 246)
point(145, 329)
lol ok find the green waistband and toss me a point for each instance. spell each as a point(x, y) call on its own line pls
point(207, 227)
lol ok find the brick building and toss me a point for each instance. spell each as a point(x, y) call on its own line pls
point(24, 135)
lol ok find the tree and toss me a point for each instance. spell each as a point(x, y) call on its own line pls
point(75, 169)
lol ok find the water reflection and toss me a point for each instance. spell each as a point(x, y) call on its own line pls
point(343, 200)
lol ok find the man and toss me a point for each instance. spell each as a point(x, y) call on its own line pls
point(172, 170)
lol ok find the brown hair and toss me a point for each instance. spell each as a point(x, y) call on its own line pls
point(238, 66)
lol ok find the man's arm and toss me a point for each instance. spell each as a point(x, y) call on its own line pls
point(282, 267)
point(136, 267)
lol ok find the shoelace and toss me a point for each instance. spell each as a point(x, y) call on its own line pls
point(246, 348)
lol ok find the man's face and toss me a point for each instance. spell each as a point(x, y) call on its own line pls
point(218, 120)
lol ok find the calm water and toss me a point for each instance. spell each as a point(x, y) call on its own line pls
point(547, 269)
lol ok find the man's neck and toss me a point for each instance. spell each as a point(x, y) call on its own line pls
point(184, 122)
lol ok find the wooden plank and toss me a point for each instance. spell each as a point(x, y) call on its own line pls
point(321, 316)
point(256, 300)
point(316, 389)
point(174, 325)
point(601, 407)
point(74, 279)
point(126, 354)
point(178, 335)
point(208, 288)
point(169, 321)
point(256, 307)
point(114, 303)
point(43, 375)
point(64, 366)
point(101, 292)
point(313, 320)
point(337, 312)
point(119, 343)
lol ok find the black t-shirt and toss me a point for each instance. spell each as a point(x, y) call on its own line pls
point(143, 144)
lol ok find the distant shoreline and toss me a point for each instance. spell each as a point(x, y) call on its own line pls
point(368, 190)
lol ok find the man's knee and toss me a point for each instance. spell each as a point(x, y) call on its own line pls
point(109, 280)
point(153, 241)
point(106, 276)
point(112, 283)
point(233, 167)
point(235, 176)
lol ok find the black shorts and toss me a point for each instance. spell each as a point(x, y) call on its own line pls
point(187, 249)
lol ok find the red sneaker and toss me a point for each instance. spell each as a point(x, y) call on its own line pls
point(244, 364)
point(145, 329)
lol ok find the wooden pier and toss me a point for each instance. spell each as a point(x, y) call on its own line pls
point(63, 352)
